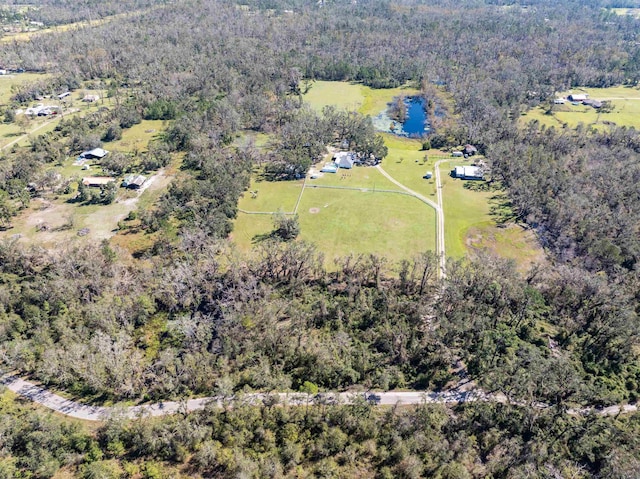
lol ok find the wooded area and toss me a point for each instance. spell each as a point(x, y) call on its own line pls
point(190, 316)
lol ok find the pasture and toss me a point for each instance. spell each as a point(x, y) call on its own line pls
point(341, 222)
point(478, 218)
point(353, 96)
point(625, 112)
point(347, 212)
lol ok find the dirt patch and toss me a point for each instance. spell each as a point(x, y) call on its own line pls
point(314, 211)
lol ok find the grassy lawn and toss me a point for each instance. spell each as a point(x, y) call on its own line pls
point(343, 95)
point(357, 177)
point(353, 96)
point(463, 209)
point(136, 138)
point(271, 195)
point(471, 221)
point(626, 109)
point(8, 81)
point(401, 164)
point(341, 222)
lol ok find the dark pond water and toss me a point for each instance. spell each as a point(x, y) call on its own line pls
point(416, 123)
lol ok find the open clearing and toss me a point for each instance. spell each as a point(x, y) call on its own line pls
point(353, 96)
point(347, 211)
point(626, 109)
point(340, 222)
point(474, 217)
point(63, 218)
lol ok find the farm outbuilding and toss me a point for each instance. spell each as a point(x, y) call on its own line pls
point(329, 168)
point(468, 173)
point(470, 150)
point(96, 153)
point(578, 97)
point(97, 180)
point(134, 182)
point(457, 154)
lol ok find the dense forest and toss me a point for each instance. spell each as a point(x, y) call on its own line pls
point(191, 316)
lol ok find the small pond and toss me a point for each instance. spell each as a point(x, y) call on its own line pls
point(415, 125)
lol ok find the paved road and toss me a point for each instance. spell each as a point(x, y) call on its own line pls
point(76, 410)
point(440, 247)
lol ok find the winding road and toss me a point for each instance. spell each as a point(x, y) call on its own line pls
point(85, 412)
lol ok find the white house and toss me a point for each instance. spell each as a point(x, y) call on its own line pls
point(345, 159)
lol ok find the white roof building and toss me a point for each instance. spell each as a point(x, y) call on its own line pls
point(345, 159)
point(468, 172)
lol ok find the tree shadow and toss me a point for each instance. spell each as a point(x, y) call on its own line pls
point(261, 237)
point(502, 210)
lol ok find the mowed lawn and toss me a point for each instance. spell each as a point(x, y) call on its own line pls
point(471, 221)
point(353, 96)
point(626, 109)
point(357, 177)
point(407, 164)
point(341, 222)
point(270, 196)
point(137, 138)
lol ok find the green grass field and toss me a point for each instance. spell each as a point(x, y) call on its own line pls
point(136, 138)
point(626, 109)
point(357, 177)
point(270, 196)
point(401, 164)
point(472, 222)
point(340, 222)
point(353, 96)
point(9, 81)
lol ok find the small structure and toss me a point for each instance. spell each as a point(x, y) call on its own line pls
point(134, 182)
point(577, 97)
point(90, 98)
point(97, 181)
point(345, 159)
point(428, 175)
point(467, 173)
point(41, 110)
point(470, 150)
point(96, 153)
point(64, 95)
point(457, 154)
point(329, 168)
point(593, 103)
point(559, 101)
